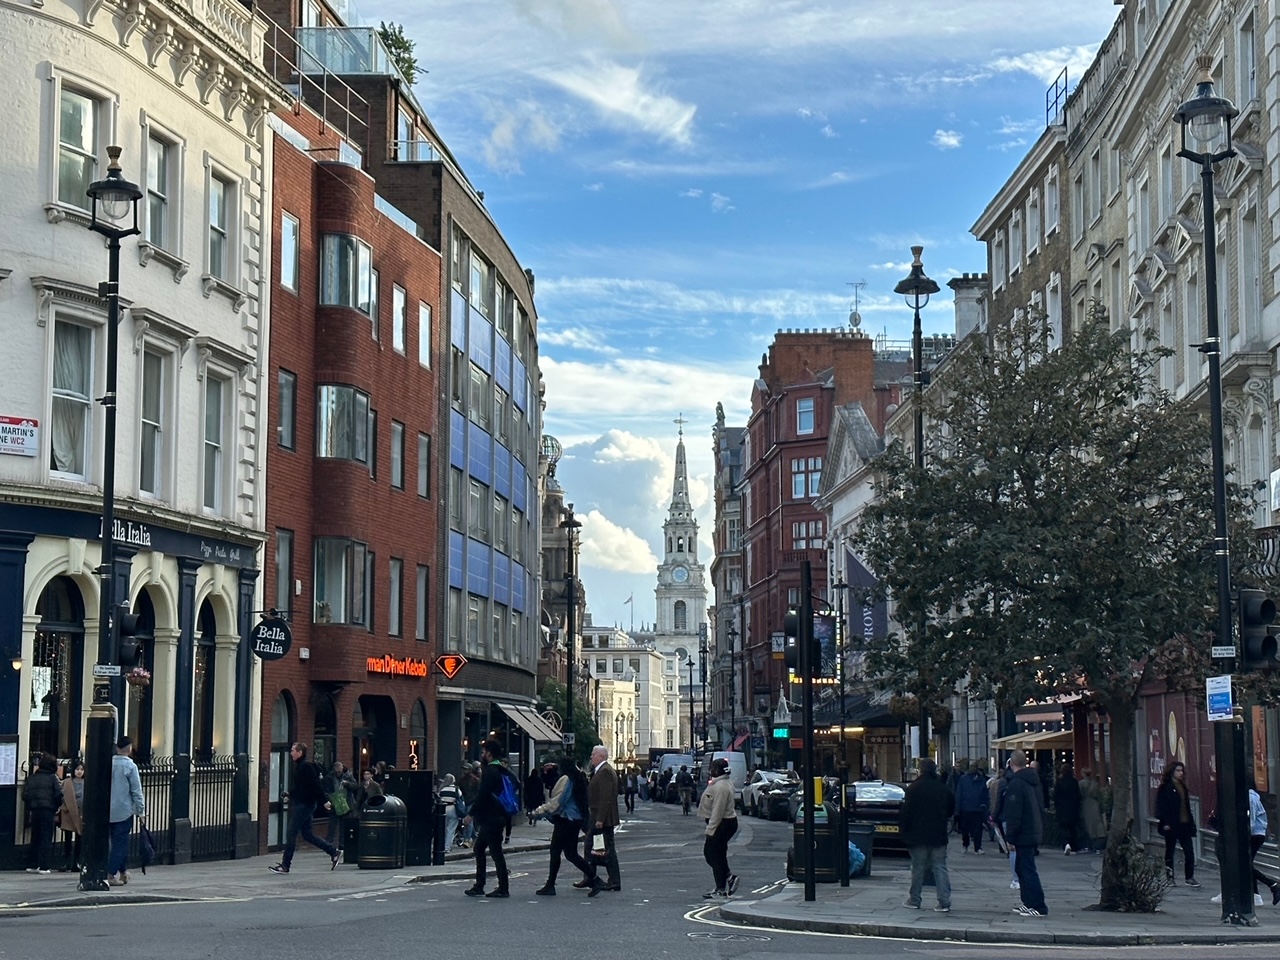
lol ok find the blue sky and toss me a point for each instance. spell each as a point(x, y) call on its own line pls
point(687, 178)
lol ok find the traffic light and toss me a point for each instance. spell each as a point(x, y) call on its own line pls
point(791, 630)
point(1257, 636)
point(125, 624)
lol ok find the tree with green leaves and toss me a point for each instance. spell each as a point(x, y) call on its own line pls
point(1058, 539)
point(584, 729)
point(400, 48)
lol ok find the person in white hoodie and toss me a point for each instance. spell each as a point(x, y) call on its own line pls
point(717, 809)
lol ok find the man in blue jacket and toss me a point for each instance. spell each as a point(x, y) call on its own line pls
point(127, 802)
point(1024, 830)
point(972, 804)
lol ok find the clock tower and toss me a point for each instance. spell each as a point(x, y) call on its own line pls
point(682, 591)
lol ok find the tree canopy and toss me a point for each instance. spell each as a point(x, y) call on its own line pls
point(400, 48)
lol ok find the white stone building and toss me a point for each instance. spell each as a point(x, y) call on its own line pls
point(634, 689)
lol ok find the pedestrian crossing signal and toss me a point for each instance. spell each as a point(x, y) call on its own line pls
point(450, 663)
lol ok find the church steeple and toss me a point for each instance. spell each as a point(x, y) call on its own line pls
point(680, 508)
point(681, 591)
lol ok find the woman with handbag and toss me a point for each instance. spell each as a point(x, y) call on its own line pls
point(567, 808)
point(339, 787)
point(70, 818)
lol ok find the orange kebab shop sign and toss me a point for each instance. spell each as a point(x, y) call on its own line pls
point(396, 666)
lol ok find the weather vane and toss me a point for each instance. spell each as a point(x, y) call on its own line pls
point(680, 421)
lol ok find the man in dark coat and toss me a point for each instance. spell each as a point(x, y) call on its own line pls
point(491, 820)
point(42, 795)
point(972, 806)
point(304, 798)
point(1066, 809)
point(1024, 829)
point(923, 821)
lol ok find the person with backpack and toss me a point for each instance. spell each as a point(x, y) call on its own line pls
point(451, 799)
point(567, 809)
point(491, 812)
point(684, 786)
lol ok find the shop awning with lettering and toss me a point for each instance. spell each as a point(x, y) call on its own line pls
point(1044, 740)
point(529, 721)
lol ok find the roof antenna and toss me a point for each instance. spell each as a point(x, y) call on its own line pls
point(855, 318)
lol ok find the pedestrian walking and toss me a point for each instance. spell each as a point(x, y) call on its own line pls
point(305, 798)
point(1024, 831)
point(369, 787)
point(642, 783)
point(923, 823)
point(602, 800)
point(1257, 837)
point(71, 817)
point(567, 807)
point(535, 794)
point(42, 796)
point(340, 788)
point(973, 806)
point(629, 788)
point(470, 787)
point(684, 787)
point(1175, 822)
point(450, 798)
point(1066, 810)
point(997, 816)
point(717, 808)
point(490, 820)
point(127, 802)
point(1091, 819)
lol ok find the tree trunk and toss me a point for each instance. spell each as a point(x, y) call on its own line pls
point(1122, 772)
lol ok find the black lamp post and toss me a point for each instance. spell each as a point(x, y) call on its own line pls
point(693, 744)
point(916, 290)
point(1205, 118)
point(732, 634)
point(571, 526)
point(702, 675)
point(113, 199)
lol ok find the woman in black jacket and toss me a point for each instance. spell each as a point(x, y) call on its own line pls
point(1175, 822)
point(42, 795)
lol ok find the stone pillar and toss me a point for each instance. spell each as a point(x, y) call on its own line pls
point(184, 678)
point(245, 833)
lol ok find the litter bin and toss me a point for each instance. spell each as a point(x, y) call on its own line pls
point(826, 849)
point(383, 832)
point(862, 835)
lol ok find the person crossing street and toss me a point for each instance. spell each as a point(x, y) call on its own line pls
point(304, 799)
point(716, 808)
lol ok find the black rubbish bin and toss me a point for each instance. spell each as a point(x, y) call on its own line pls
point(825, 852)
point(862, 835)
point(383, 832)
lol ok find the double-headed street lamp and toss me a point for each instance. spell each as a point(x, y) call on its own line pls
point(916, 290)
point(112, 200)
point(1206, 120)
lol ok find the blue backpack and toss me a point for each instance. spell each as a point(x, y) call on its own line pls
point(507, 796)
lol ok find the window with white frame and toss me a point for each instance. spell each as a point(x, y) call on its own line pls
point(1246, 63)
point(477, 613)
point(518, 534)
point(341, 571)
point(284, 570)
point(481, 397)
point(310, 13)
point(806, 475)
point(999, 272)
point(424, 334)
point(501, 522)
point(73, 384)
point(79, 120)
point(217, 397)
point(1250, 274)
point(1142, 215)
point(397, 455)
point(162, 181)
point(422, 603)
point(478, 516)
point(804, 415)
point(502, 308)
point(222, 201)
point(1113, 170)
point(502, 412)
point(1165, 209)
point(1051, 201)
point(287, 398)
point(343, 422)
point(399, 308)
point(481, 291)
point(1095, 185)
point(346, 273)
point(1033, 221)
point(1015, 243)
point(1117, 294)
point(806, 534)
point(424, 466)
point(395, 616)
point(1053, 311)
point(1078, 211)
point(290, 264)
point(152, 428)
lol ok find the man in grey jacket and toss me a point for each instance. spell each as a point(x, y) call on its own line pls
point(716, 808)
point(126, 803)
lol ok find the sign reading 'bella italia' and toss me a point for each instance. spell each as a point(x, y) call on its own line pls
point(271, 638)
point(398, 666)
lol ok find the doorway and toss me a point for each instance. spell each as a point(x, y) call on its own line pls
point(57, 671)
point(282, 726)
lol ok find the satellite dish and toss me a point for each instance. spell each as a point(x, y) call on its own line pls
point(855, 319)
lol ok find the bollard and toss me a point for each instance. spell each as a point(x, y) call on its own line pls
point(842, 797)
point(437, 833)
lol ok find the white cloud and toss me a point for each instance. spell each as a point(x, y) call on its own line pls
point(1046, 65)
point(1010, 126)
point(720, 203)
point(621, 94)
point(517, 128)
point(596, 21)
point(607, 545)
point(897, 266)
point(709, 168)
point(593, 187)
point(691, 192)
point(578, 338)
point(947, 139)
point(829, 132)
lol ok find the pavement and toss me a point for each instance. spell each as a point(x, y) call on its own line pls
point(982, 906)
point(230, 880)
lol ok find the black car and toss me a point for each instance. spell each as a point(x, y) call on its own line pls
point(879, 802)
point(777, 803)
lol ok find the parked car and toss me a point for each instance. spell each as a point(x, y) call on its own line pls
point(760, 781)
point(776, 801)
point(876, 802)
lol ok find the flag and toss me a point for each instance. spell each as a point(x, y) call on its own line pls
point(628, 600)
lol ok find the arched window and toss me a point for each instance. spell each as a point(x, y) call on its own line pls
point(679, 544)
point(138, 719)
point(682, 616)
point(202, 692)
point(57, 664)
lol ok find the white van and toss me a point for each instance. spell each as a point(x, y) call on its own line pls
point(737, 770)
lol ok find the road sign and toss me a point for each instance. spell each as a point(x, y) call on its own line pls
point(757, 744)
point(568, 739)
point(450, 663)
point(1218, 690)
point(271, 638)
point(1222, 653)
point(106, 669)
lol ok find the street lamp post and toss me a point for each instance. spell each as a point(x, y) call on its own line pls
point(702, 675)
point(112, 200)
point(693, 744)
point(1207, 119)
point(571, 526)
point(732, 634)
point(916, 290)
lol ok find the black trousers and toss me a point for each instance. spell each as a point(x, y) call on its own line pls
point(1171, 840)
point(715, 850)
point(1255, 844)
point(42, 839)
point(489, 835)
point(564, 842)
point(610, 856)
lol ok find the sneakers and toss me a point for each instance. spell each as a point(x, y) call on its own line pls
point(715, 895)
point(1023, 910)
point(1014, 885)
point(1257, 899)
point(546, 890)
point(1192, 882)
point(941, 909)
point(1067, 850)
point(499, 894)
point(1216, 899)
point(275, 868)
point(32, 870)
point(337, 855)
point(981, 853)
point(911, 906)
point(732, 886)
point(44, 870)
point(474, 891)
point(115, 881)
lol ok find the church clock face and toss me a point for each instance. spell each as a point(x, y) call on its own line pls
point(680, 574)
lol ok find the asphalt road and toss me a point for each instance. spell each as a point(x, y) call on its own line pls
point(659, 913)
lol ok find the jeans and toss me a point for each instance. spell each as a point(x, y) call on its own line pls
point(564, 842)
point(119, 856)
point(715, 850)
point(489, 837)
point(1171, 840)
point(932, 860)
point(300, 817)
point(334, 830)
point(41, 838)
point(971, 822)
point(610, 856)
point(1031, 892)
point(450, 826)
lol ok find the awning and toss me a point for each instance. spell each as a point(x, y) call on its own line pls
point(1045, 740)
point(529, 721)
point(737, 744)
